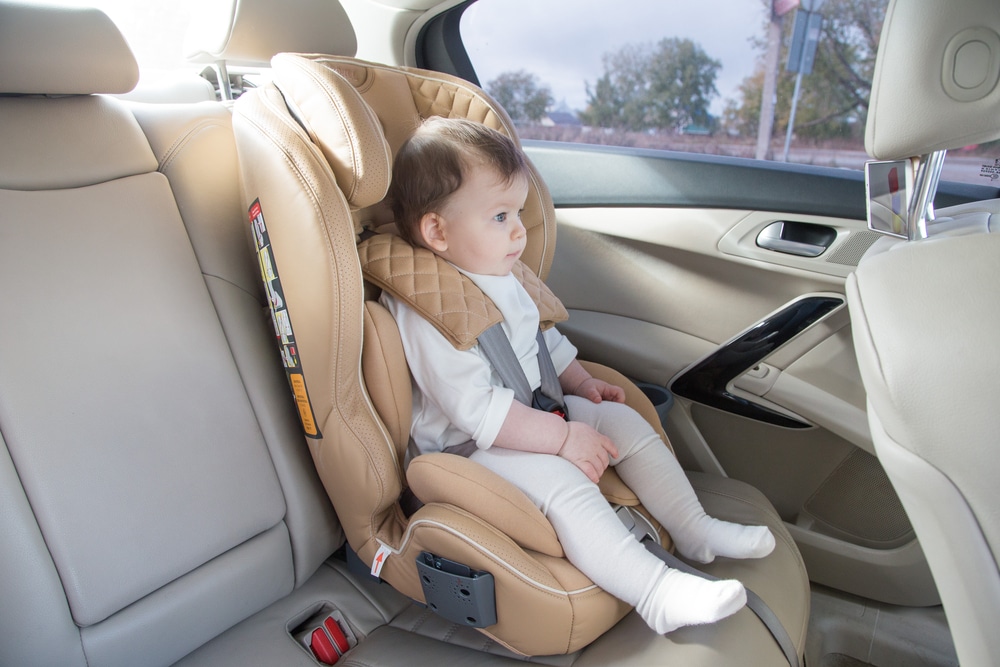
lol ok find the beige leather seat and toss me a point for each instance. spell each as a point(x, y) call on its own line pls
point(316, 149)
point(926, 313)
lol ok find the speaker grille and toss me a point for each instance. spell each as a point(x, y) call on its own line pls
point(857, 503)
point(850, 252)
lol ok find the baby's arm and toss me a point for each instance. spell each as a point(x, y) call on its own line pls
point(576, 381)
point(530, 430)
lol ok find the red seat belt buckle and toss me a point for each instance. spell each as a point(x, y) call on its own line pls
point(329, 640)
point(322, 647)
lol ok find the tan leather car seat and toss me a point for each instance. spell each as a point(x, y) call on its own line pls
point(316, 149)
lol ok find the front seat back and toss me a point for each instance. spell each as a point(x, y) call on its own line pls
point(926, 313)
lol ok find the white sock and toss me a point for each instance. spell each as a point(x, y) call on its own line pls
point(705, 538)
point(676, 599)
point(652, 472)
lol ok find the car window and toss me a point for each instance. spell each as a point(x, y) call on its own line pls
point(690, 76)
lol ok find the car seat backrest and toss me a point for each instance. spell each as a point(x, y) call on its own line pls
point(400, 98)
point(150, 486)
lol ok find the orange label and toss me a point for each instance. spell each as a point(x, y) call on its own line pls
point(302, 400)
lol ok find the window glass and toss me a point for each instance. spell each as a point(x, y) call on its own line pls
point(691, 76)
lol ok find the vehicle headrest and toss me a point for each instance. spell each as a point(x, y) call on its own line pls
point(935, 82)
point(49, 50)
point(250, 32)
point(340, 123)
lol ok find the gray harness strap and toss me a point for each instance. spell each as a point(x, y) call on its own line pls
point(496, 347)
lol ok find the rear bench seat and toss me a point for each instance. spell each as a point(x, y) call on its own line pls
point(155, 490)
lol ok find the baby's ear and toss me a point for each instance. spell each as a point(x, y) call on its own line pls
point(432, 232)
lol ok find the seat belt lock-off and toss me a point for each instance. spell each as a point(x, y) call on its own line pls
point(456, 592)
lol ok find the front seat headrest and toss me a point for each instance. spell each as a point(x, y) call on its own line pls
point(936, 78)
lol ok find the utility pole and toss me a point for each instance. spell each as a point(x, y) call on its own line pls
point(801, 53)
point(767, 98)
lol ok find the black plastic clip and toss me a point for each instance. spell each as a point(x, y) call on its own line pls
point(456, 592)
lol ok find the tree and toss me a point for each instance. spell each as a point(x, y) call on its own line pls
point(669, 85)
point(522, 95)
point(833, 102)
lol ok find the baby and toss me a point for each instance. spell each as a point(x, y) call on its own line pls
point(458, 189)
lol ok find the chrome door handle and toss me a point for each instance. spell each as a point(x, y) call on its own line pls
point(796, 238)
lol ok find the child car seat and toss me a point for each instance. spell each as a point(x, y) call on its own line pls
point(316, 149)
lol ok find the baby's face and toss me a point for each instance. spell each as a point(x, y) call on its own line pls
point(482, 222)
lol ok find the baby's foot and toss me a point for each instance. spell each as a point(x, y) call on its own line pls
point(714, 537)
point(678, 599)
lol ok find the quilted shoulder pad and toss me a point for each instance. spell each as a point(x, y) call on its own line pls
point(550, 308)
point(441, 293)
point(432, 286)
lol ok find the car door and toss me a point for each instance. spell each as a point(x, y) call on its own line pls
point(723, 280)
point(719, 277)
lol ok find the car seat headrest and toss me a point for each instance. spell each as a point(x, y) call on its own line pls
point(251, 32)
point(340, 123)
point(47, 50)
point(936, 75)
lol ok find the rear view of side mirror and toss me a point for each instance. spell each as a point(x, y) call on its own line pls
point(889, 187)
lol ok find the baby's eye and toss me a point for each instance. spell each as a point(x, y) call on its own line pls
point(500, 217)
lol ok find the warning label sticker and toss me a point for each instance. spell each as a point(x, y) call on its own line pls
point(281, 321)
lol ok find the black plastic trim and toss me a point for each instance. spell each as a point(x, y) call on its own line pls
point(581, 175)
point(440, 48)
point(706, 382)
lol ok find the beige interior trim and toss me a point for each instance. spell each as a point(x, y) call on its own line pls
point(899, 576)
point(741, 241)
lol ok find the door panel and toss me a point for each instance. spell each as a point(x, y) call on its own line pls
point(656, 283)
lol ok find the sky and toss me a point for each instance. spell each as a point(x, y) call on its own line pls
point(500, 36)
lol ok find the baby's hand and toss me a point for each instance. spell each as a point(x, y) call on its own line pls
point(588, 450)
point(596, 390)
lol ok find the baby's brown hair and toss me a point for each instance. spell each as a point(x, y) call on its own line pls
point(429, 167)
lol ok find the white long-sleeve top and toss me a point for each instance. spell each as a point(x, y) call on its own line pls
point(457, 396)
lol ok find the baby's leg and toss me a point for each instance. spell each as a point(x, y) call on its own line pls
point(652, 472)
point(597, 543)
